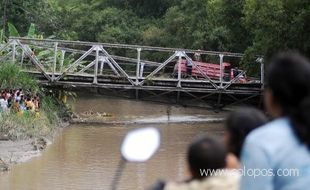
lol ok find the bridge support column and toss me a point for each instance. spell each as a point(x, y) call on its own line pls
point(96, 65)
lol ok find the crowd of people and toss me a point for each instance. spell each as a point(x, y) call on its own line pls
point(17, 102)
point(259, 152)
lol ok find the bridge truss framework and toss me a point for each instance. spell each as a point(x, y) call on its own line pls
point(122, 69)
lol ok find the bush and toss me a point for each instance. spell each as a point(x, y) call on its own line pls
point(12, 77)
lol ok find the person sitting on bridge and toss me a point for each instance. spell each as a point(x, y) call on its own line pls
point(206, 158)
point(33, 52)
point(236, 72)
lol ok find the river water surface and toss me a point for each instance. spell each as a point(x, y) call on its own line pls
point(86, 156)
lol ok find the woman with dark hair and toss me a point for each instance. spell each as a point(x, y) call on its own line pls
point(277, 155)
point(238, 125)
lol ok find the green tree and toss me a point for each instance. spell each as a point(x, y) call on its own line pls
point(276, 25)
point(23, 13)
point(144, 8)
point(186, 24)
point(254, 27)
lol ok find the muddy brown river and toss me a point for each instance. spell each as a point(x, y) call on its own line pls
point(85, 157)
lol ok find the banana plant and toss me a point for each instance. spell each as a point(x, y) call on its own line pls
point(12, 30)
point(42, 53)
point(32, 33)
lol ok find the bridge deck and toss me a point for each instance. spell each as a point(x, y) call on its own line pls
point(86, 80)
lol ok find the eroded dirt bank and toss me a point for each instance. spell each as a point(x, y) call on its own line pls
point(13, 152)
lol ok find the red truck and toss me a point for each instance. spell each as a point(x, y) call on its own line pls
point(212, 70)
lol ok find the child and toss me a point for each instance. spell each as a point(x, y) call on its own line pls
point(208, 154)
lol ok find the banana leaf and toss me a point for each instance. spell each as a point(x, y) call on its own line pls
point(13, 31)
point(31, 31)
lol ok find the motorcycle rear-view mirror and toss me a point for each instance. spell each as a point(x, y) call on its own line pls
point(140, 145)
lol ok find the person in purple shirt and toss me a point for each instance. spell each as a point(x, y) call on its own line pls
point(276, 156)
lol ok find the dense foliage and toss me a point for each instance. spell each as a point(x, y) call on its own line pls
point(250, 26)
point(11, 77)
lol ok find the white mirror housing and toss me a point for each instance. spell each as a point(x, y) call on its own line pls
point(141, 144)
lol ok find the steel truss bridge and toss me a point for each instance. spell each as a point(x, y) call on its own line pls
point(134, 71)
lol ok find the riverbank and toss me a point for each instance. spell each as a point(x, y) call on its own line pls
point(20, 151)
point(13, 152)
point(24, 135)
point(30, 115)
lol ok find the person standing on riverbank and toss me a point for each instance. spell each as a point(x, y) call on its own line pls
point(279, 151)
point(3, 103)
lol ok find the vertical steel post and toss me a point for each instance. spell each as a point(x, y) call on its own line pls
point(22, 59)
point(62, 59)
point(141, 69)
point(96, 65)
point(138, 66)
point(221, 69)
point(14, 52)
point(179, 71)
point(102, 61)
point(55, 59)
